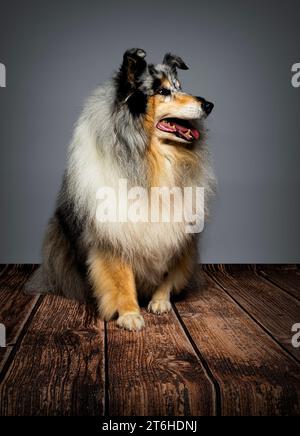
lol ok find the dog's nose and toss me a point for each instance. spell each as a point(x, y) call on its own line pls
point(208, 107)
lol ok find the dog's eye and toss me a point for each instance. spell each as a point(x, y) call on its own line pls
point(164, 91)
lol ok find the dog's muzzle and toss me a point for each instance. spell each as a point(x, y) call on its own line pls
point(207, 106)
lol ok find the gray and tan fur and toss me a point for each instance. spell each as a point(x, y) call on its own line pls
point(117, 137)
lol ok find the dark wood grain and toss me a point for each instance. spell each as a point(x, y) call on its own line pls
point(15, 306)
point(255, 375)
point(222, 350)
point(156, 371)
point(273, 308)
point(235, 267)
point(287, 279)
point(4, 356)
point(2, 267)
point(58, 368)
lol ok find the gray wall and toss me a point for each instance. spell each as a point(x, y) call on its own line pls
point(240, 56)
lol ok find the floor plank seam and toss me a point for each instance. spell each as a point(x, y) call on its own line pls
point(228, 286)
point(205, 365)
point(3, 271)
point(12, 270)
point(262, 274)
point(8, 351)
point(13, 343)
point(286, 351)
point(106, 371)
point(16, 346)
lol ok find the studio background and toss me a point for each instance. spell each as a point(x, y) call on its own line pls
point(240, 57)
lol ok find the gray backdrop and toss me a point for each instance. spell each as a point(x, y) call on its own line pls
point(240, 57)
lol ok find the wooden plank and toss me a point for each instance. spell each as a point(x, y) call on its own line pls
point(234, 267)
point(4, 356)
point(228, 267)
point(15, 306)
point(288, 280)
point(277, 267)
point(156, 371)
point(275, 310)
point(255, 375)
point(59, 366)
point(3, 266)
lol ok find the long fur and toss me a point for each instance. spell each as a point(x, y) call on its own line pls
point(114, 138)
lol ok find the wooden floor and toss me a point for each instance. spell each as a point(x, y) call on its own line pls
point(224, 349)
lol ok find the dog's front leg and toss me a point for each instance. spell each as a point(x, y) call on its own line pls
point(160, 302)
point(113, 285)
point(175, 281)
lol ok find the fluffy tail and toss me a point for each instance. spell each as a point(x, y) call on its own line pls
point(60, 272)
point(36, 284)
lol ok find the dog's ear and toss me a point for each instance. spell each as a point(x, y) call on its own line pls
point(129, 79)
point(174, 62)
point(133, 65)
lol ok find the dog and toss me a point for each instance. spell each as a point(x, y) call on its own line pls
point(139, 127)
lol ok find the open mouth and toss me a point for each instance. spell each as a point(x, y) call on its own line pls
point(180, 128)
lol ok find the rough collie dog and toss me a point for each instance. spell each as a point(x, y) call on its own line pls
point(140, 126)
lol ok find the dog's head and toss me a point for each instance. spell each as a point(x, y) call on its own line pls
point(154, 92)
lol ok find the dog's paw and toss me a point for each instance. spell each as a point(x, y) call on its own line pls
point(132, 321)
point(159, 306)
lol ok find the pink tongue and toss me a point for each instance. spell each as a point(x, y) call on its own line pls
point(179, 129)
point(166, 127)
point(182, 130)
